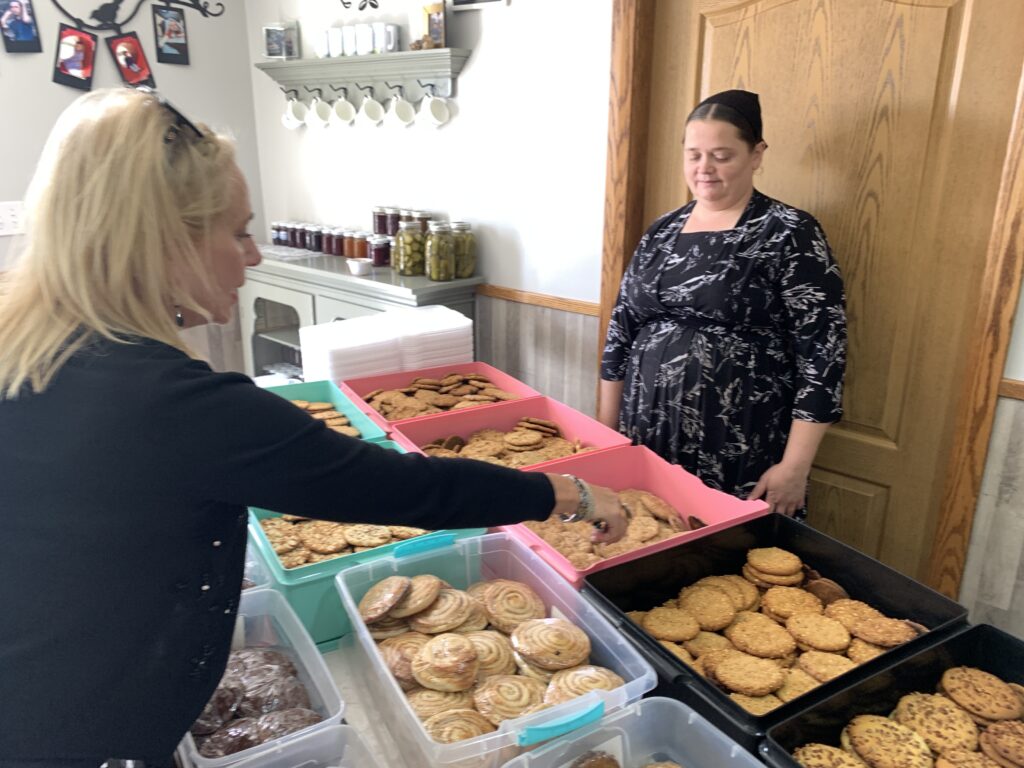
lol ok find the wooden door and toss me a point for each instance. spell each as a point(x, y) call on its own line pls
point(888, 120)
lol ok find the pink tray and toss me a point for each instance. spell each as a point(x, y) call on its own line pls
point(639, 467)
point(356, 388)
point(504, 416)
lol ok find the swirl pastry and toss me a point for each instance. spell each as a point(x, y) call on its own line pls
point(504, 697)
point(382, 597)
point(570, 683)
point(398, 653)
point(451, 608)
point(457, 725)
point(529, 670)
point(510, 603)
point(551, 643)
point(446, 662)
point(427, 703)
point(477, 620)
point(478, 589)
point(423, 590)
point(388, 627)
point(494, 653)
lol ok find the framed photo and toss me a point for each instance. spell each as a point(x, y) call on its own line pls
point(433, 23)
point(18, 27)
point(171, 37)
point(76, 57)
point(281, 41)
point(131, 60)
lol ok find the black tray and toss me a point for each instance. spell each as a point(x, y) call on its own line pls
point(649, 581)
point(981, 646)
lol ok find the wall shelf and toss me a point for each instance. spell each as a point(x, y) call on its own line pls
point(440, 66)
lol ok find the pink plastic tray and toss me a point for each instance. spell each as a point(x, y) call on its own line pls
point(504, 416)
point(639, 467)
point(356, 388)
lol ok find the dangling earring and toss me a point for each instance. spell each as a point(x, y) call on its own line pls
point(179, 318)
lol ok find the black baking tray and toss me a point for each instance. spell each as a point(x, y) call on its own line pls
point(649, 581)
point(980, 646)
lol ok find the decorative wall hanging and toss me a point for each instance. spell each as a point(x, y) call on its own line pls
point(106, 15)
point(363, 4)
point(131, 59)
point(76, 56)
point(18, 27)
point(171, 35)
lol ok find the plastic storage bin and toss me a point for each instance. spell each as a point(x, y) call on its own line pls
point(255, 569)
point(338, 746)
point(652, 730)
point(651, 580)
point(356, 389)
point(981, 646)
point(639, 467)
point(328, 392)
point(462, 563)
point(267, 621)
point(309, 588)
point(505, 416)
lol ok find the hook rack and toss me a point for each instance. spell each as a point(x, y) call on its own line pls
point(431, 86)
point(367, 88)
point(400, 88)
point(343, 90)
point(286, 91)
point(319, 92)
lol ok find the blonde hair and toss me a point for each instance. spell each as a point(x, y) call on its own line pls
point(118, 212)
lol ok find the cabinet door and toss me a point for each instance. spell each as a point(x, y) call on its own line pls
point(279, 308)
point(328, 309)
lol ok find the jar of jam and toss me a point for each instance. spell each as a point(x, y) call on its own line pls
point(392, 217)
point(362, 245)
point(315, 238)
point(328, 241)
point(465, 249)
point(424, 218)
point(440, 252)
point(405, 214)
point(380, 221)
point(380, 250)
point(408, 256)
point(338, 246)
point(349, 248)
point(293, 234)
point(275, 232)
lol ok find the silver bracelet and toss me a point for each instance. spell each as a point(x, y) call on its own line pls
point(585, 510)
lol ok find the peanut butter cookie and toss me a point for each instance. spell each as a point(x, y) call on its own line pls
point(710, 606)
point(783, 602)
point(818, 632)
point(795, 683)
point(824, 666)
point(749, 675)
point(885, 632)
point(671, 624)
point(774, 561)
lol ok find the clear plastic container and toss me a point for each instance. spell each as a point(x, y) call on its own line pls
point(269, 622)
point(652, 730)
point(462, 563)
point(255, 575)
point(339, 746)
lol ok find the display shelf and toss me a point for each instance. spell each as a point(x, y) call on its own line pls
point(440, 66)
point(288, 337)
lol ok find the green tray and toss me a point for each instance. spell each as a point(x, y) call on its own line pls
point(328, 392)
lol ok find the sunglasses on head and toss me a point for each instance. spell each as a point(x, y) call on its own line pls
point(181, 123)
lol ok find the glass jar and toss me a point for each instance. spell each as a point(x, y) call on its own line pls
point(328, 241)
point(315, 238)
point(406, 215)
point(362, 245)
point(408, 255)
point(348, 249)
point(338, 246)
point(465, 249)
point(392, 217)
point(440, 252)
point(380, 220)
point(424, 218)
point(293, 234)
point(275, 232)
point(380, 250)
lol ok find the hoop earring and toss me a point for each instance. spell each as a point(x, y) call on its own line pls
point(179, 319)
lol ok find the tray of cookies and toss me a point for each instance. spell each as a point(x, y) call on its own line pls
point(404, 395)
point(276, 688)
point(957, 702)
point(668, 506)
point(476, 650)
point(653, 733)
point(325, 402)
point(755, 622)
point(337, 746)
point(517, 434)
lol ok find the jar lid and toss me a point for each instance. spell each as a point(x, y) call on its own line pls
point(361, 234)
point(407, 212)
point(392, 210)
point(379, 209)
point(422, 214)
point(439, 226)
point(409, 225)
point(379, 239)
point(460, 226)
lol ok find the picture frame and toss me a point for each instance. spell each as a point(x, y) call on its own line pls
point(434, 23)
point(477, 5)
point(281, 41)
point(75, 57)
point(170, 35)
point(130, 59)
point(18, 27)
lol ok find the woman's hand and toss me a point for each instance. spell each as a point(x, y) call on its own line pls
point(784, 487)
point(609, 511)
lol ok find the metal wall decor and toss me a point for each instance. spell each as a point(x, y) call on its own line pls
point(105, 17)
point(363, 4)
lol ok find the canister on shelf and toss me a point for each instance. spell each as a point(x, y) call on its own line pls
point(440, 252)
point(314, 238)
point(465, 249)
point(362, 245)
point(380, 220)
point(338, 247)
point(393, 216)
point(380, 250)
point(349, 244)
point(408, 255)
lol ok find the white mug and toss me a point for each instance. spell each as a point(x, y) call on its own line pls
point(435, 109)
point(364, 39)
point(348, 40)
point(342, 113)
point(294, 114)
point(318, 114)
point(401, 113)
point(335, 42)
point(372, 111)
point(385, 37)
point(321, 45)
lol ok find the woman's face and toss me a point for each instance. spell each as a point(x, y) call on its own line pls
point(230, 250)
point(719, 166)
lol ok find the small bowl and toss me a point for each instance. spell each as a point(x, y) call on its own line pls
point(360, 266)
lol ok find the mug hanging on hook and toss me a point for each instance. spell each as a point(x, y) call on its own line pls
point(434, 108)
point(294, 111)
point(401, 113)
point(342, 112)
point(319, 111)
point(371, 110)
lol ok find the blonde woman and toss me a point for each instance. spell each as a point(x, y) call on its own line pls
point(126, 466)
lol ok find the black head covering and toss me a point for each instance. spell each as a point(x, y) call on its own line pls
point(745, 103)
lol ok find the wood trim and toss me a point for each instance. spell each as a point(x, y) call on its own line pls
point(628, 120)
point(1011, 388)
point(539, 300)
point(993, 323)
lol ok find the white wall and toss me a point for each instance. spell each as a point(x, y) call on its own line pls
point(523, 159)
point(214, 89)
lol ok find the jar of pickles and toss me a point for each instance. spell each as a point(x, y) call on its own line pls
point(465, 249)
point(408, 256)
point(380, 250)
point(440, 252)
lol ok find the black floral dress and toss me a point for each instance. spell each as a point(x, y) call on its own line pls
point(723, 338)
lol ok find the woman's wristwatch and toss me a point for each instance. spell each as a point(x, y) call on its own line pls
point(585, 510)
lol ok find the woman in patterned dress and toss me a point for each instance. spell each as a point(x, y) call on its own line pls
point(727, 346)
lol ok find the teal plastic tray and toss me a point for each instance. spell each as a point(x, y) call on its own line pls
point(328, 392)
point(309, 589)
